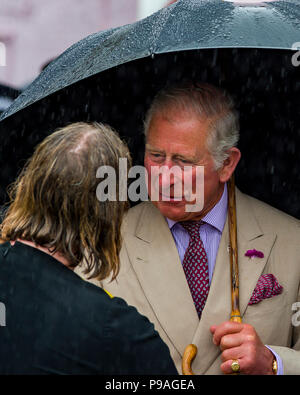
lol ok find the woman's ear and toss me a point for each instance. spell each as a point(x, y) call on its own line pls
point(230, 164)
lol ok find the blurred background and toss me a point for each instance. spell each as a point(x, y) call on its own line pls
point(33, 32)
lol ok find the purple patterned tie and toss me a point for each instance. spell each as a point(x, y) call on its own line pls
point(195, 266)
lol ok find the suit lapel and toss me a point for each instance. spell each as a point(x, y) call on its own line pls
point(250, 236)
point(218, 305)
point(162, 278)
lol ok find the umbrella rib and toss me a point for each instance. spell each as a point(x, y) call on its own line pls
point(155, 40)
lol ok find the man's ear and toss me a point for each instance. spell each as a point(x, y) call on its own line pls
point(230, 164)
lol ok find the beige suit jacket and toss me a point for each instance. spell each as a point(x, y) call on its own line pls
point(152, 279)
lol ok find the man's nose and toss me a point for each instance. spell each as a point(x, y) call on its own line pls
point(167, 177)
point(168, 163)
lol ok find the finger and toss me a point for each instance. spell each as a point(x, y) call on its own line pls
point(231, 353)
point(226, 328)
point(213, 328)
point(231, 341)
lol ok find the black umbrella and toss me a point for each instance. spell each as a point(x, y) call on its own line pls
point(113, 75)
point(7, 96)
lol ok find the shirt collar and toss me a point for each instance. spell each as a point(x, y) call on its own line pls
point(216, 217)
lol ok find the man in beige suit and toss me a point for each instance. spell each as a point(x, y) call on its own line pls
point(196, 125)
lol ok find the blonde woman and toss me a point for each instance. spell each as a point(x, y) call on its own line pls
point(55, 321)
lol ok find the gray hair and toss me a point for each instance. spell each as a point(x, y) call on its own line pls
point(206, 102)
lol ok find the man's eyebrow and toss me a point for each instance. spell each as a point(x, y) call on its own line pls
point(185, 157)
point(151, 148)
point(174, 155)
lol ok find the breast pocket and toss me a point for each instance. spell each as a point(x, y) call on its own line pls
point(270, 305)
point(271, 318)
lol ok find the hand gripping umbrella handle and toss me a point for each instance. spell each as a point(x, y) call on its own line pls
point(191, 350)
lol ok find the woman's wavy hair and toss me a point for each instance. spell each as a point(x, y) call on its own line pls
point(54, 204)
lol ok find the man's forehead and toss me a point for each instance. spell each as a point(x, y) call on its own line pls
point(181, 130)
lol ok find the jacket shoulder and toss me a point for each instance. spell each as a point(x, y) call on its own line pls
point(269, 217)
point(134, 215)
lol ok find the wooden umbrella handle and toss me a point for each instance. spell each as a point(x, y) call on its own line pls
point(189, 355)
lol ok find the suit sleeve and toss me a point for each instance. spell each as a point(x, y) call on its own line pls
point(291, 356)
point(134, 347)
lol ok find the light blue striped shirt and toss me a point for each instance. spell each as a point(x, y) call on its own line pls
point(210, 232)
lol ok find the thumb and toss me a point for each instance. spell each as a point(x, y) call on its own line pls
point(213, 328)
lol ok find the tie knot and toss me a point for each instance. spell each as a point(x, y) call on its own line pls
point(192, 227)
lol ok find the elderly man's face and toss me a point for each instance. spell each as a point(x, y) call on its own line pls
point(179, 140)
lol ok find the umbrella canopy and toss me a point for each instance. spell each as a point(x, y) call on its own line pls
point(7, 96)
point(113, 75)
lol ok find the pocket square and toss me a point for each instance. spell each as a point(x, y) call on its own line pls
point(266, 287)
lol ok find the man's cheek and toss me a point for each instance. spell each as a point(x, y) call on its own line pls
point(151, 178)
point(194, 189)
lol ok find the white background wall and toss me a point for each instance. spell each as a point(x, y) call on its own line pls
point(148, 7)
point(35, 31)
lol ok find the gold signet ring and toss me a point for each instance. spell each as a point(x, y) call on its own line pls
point(235, 366)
